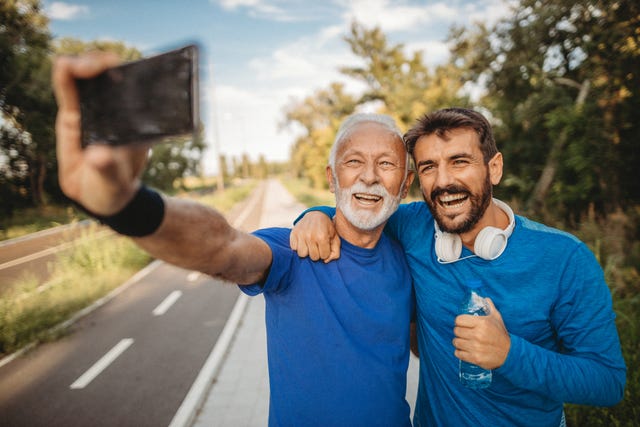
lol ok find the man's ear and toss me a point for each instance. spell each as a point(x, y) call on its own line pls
point(332, 186)
point(495, 168)
point(407, 184)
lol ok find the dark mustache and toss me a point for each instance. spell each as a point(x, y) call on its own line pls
point(450, 189)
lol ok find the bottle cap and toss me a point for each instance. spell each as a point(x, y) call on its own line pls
point(473, 283)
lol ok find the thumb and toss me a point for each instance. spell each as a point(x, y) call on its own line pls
point(335, 248)
point(491, 308)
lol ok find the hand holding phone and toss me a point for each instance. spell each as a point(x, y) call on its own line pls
point(144, 101)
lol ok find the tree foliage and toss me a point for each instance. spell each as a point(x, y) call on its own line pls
point(26, 103)
point(398, 84)
point(174, 159)
point(28, 167)
point(319, 115)
point(562, 83)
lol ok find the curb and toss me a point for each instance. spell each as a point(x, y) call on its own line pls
point(199, 390)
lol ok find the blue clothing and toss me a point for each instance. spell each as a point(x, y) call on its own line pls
point(337, 335)
point(551, 293)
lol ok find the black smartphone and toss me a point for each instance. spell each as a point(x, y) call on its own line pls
point(143, 101)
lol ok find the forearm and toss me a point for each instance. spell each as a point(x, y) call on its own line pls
point(588, 378)
point(196, 237)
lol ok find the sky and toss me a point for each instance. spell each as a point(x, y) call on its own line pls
point(258, 56)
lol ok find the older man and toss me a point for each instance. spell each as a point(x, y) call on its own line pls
point(337, 334)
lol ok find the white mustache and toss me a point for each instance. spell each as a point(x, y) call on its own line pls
point(375, 189)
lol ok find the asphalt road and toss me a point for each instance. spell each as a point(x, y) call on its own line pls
point(132, 361)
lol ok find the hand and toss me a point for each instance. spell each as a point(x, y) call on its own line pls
point(315, 236)
point(101, 178)
point(482, 340)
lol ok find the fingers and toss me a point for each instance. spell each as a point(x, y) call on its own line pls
point(66, 69)
point(299, 245)
point(335, 249)
point(482, 340)
point(314, 236)
point(68, 124)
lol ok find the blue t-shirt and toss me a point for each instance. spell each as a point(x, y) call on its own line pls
point(337, 335)
point(556, 306)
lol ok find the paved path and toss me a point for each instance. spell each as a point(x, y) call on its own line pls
point(239, 395)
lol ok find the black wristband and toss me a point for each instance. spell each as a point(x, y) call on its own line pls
point(140, 217)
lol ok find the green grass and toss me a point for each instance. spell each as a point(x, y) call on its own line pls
point(31, 220)
point(306, 195)
point(223, 201)
point(91, 269)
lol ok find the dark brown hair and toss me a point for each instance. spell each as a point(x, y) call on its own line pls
point(442, 121)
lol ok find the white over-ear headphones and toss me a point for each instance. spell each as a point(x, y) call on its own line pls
point(490, 241)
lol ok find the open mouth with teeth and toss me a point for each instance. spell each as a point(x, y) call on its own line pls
point(452, 200)
point(367, 199)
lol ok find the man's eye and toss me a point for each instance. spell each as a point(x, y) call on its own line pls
point(426, 169)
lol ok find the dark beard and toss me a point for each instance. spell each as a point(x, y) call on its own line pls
point(479, 204)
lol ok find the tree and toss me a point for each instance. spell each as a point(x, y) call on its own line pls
point(26, 102)
point(562, 85)
point(319, 115)
point(404, 84)
point(71, 46)
point(174, 159)
point(401, 85)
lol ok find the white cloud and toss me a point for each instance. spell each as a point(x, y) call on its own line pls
point(399, 16)
point(433, 52)
point(275, 10)
point(66, 11)
point(488, 12)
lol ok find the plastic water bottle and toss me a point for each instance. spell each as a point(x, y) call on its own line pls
point(473, 376)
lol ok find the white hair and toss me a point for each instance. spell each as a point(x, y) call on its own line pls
point(351, 122)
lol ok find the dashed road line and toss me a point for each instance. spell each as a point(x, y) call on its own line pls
point(165, 305)
point(102, 364)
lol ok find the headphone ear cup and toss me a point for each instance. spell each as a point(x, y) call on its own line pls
point(490, 243)
point(448, 246)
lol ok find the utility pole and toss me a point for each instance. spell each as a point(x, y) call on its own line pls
point(215, 131)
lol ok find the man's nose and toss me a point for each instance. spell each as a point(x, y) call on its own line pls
point(369, 174)
point(444, 177)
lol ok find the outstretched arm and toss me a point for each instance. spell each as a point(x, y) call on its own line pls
point(105, 180)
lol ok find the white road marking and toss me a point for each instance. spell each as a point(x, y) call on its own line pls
point(102, 364)
point(167, 303)
point(193, 276)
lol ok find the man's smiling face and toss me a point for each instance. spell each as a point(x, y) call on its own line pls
point(456, 182)
point(370, 176)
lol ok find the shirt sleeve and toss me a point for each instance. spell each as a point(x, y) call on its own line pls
point(278, 277)
point(327, 210)
point(589, 368)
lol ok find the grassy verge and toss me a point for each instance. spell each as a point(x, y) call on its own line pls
point(95, 266)
point(308, 196)
point(225, 200)
point(30, 220)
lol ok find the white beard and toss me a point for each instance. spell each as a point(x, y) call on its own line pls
point(362, 218)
